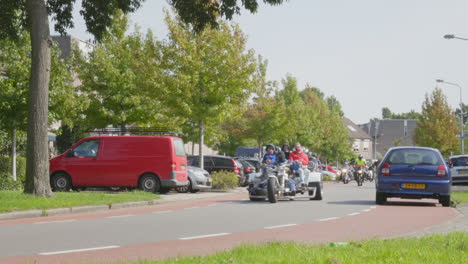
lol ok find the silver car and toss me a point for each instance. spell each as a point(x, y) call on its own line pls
point(199, 180)
point(459, 168)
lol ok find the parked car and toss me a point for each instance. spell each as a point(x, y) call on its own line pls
point(253, 161)
point(413, 173)
point(214, 163)
point(328, 170)
point(198, 180)
point(152, 163)
point(459, 168)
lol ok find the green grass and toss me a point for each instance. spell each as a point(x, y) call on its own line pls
point(460, 197)
point(18, 201)
point(451, 248)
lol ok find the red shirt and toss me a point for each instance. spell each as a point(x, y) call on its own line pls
point(299, 156)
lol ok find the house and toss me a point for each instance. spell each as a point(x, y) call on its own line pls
point(387, 133)
point(361, 141)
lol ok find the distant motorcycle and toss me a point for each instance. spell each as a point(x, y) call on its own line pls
point(346, 175)
point(359, 174)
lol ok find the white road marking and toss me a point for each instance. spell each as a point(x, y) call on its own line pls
point(212, 204)
point(160, 212)
point(373, 207)
point(353, 214)
point(193, 207)
point(279, 226)
point(366, 210)
point(50, 222)
point(77, 250)
point(327, 219)
point(119, 216)
point(205, 236)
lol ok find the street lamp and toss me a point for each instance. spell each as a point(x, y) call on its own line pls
point(451, 36)
point(462, 134)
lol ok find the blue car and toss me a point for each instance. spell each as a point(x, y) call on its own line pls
point(413, 173)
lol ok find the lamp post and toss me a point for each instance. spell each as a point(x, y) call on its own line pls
point(462, 139)
point(451, 36)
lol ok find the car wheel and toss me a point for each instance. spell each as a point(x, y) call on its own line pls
point(61, 182)
point(149, 183)
point(444, 200)
point(184, 189)
point(114, 189)
point(318, 192)
point(380, 198)
point(164, 190)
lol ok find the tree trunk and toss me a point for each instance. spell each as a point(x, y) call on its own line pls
point(37, 164)
point(260, 154)
point(200, 147)
point(13, 153)
point(193, 148)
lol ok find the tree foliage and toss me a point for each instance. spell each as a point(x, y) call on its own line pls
point(437, 125)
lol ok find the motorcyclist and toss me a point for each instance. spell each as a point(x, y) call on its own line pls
point(300, 158)
point(361, 162)
point(314, 164)
point(270, 154)
point(286, 149)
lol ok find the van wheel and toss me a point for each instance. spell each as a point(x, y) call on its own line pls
point(60, 182)
point(149, 183)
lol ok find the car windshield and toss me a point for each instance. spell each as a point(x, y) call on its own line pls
point(414, 157)
point(459, 162)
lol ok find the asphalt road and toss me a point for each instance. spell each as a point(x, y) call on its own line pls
point(211, 218)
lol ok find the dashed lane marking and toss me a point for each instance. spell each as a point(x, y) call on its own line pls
point(119, 216)
point(279, 226)
point(204, 236)
point(51, 222)
point(161, 212)
point(352, 214)
point(328, 219)
point(76, 250)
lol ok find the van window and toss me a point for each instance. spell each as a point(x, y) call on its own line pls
point(179, 147)
point(88, 148)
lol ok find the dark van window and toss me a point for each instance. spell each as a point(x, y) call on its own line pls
point(88, 148)
point(193, 161)
point(220, 162)
point(414, 157)
point(179, 147)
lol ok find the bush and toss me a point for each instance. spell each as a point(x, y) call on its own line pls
point(7, 183)
point(5, 168)
point(224, 180)
point(326, 177)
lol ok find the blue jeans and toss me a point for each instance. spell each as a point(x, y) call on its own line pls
point(292, 184)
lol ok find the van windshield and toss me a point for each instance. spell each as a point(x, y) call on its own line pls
point(179, 147)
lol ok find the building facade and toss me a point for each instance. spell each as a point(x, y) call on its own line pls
point(360, 140)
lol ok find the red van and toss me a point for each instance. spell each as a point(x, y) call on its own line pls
point(151, 163)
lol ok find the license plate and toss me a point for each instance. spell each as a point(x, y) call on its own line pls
point(414, 186)
point(463, 171)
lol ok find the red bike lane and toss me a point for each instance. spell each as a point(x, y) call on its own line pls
point(381, 222)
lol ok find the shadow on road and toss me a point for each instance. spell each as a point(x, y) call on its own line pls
point(411, 203)
point(356, 202)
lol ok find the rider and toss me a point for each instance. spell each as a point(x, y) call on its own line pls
point(301, 158)
point(314, 163)
point(286, 150)
point(270, 154)
point(361, 162)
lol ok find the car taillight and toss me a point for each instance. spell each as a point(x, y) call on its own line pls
point(248, 169)
point(441, 171)
point(236, 169)
point(386, 169)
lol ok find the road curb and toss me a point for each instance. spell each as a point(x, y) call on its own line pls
point(95, 208)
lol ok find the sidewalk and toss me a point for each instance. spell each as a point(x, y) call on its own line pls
point(165, 198)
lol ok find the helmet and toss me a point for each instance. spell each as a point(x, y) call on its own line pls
point(360, 156)
point(270, 146)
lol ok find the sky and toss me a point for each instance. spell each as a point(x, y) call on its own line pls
point(369, 54)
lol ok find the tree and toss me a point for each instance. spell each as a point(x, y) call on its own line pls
point(388, 114)
point(121, 78)
point(32, 15)
point(437, 125)
point(14, 88)
point(210, 73)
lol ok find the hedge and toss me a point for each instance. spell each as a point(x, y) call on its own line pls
point(6, 178)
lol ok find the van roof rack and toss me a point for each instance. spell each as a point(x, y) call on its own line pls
point(158, 131)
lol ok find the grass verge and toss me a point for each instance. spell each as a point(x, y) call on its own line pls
point(460, 197)
point(451, 248)
point(17, 201)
